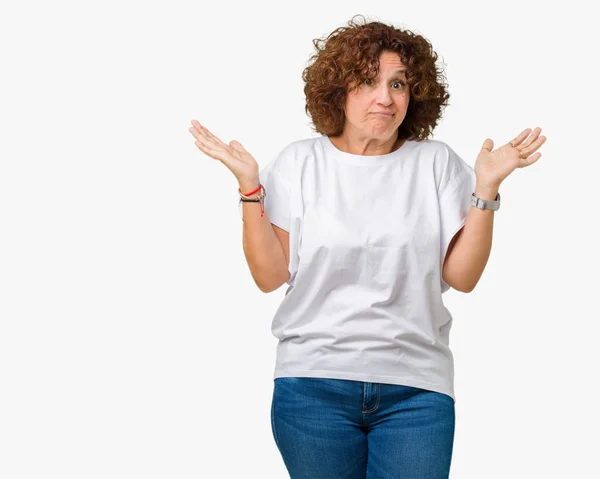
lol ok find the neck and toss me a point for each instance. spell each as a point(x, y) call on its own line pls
point(366, 146)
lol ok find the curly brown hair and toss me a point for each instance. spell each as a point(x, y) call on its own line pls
point(349, 55)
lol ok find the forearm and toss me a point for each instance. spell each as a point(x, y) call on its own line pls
point(472, 249)
point(262, 249)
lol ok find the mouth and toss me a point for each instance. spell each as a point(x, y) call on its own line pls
point(384, 115)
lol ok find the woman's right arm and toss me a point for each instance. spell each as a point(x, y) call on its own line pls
point(266, 246)
point(263, 249)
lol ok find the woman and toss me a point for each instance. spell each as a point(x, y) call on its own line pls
point(368, 223)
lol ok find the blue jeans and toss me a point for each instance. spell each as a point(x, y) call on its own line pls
point(341, 429)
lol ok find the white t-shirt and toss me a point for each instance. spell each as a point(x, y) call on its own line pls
point(368, 237)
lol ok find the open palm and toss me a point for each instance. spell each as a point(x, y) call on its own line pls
point(234, 156)
point(492, 167)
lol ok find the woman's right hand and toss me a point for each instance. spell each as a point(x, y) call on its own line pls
point(234, 156)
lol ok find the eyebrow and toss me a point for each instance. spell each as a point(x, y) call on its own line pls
point(396, 73)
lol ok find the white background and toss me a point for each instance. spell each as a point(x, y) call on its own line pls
point(133, 340)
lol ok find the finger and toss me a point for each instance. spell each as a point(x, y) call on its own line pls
point(237, 146)
point(205, 130)
point(534, 136)
point(209, 147)
point(519, 139)
point(488, 144)
point(197, 129)
point(195, 133)
point(211, 143)
point(529, 160)
point(200, 131)
point(529, 150)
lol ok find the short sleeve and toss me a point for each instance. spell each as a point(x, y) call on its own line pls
point(277, 199)
point(455, 189)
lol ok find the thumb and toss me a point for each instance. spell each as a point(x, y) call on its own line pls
point(236, 145)
point(488, 144)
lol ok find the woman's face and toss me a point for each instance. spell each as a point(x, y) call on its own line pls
point(388, 93)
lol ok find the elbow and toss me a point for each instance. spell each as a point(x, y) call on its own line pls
point(462, 286)
point(460, 281)
point(465, 288)
point(263, 286)
point(459, 288)
point(273, 286)
point(265, 289)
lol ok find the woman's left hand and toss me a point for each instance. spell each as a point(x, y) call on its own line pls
point(492, 167)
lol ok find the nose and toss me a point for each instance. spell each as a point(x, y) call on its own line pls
point(383, 95)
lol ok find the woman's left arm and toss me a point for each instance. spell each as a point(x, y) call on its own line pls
point(470, 248)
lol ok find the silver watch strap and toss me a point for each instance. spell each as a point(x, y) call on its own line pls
point(485, 204)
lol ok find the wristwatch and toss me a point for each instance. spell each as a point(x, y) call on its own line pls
point(485, 204)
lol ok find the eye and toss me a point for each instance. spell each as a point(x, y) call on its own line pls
point(402, 85)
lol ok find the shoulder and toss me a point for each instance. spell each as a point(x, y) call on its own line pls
point(436, 149)
point(434, 154)
point(302, 146)
point(287, 162)
point(444, 154)
point(291, 155)
point(447, 164)
point(452, 169)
